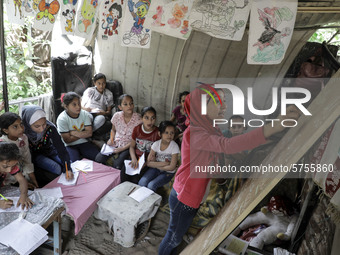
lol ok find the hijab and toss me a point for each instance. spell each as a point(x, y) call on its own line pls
point(28, 112)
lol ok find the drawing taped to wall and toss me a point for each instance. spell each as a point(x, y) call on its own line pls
point(134, 33)
point(14, 11)
point(110, 18)
point(225, 19)
point(86, 19)
point(170, 17)
point(67, 17)
point(270, 31)
point(46, 14)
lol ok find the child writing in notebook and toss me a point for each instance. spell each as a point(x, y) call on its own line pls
point(47, 149)
point(12, 130)
point(9, 160)
point(123, 123)
point(74, 125)
point(143, 136)
point(162, 160)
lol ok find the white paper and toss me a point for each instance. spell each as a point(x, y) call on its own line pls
point(107, 149)
point(140, 194)
point(233, 245)
point(23, 236)
point(53, 192)
point(131, 171)
point(14, 208)
point(95, 110)
point(84, 165)
point(62, 179)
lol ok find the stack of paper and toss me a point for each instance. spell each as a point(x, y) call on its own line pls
point(64, 181)
point(140, 194)
point(132, 171)
point(107, 149)
point(14, 208)
point(82, 165)
point(23, 236)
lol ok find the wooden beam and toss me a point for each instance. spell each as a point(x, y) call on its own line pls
point(318, 9)
point(325, 110)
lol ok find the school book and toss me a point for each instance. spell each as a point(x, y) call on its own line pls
point(131, 171)
point(23, 236)
point(107, 150)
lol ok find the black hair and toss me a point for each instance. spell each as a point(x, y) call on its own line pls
point(184, 93)
point(118, 8)
point(67, 98)
point(7, 119)
point(9, 151)
point(120, 99)
point(148, 109)
point(98, 76)
point(164, 124)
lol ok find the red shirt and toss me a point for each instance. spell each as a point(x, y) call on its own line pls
point(143, 140)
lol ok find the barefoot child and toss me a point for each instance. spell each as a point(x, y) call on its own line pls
point(162, 160)
point(9, 160)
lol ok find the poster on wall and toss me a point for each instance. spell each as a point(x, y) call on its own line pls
point(29, 7)
point(110, 19)
point(133, 31)
point(86, 18)
point(170, 17)
point(46, 14)
point(221, 19)
point(270, 31)
point(67, 18)
point(14, 12)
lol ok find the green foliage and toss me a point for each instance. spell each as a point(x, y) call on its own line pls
point(327, 35)
point(23, 77)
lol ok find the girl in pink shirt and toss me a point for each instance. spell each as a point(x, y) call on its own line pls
point(123, 123)
point(201, 145)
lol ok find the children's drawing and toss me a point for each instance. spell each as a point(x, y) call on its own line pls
point(67, 17)
point(225, 19)
point(111, 12)
point(170, 17)
point(27, 8)
point(46, 14)
point(14, 11)
point(86, 19)
point(134, 32)
point(270, 31)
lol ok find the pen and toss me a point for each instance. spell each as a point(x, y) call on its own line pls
point(66, 170)
point(4, 197)
point(131, 191)
point(81, 170)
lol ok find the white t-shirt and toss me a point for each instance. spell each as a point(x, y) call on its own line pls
point(166, 155)
point(65, 124)
point(93, 99)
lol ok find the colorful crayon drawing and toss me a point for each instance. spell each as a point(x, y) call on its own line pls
point(138, 35)
point(69, 15)
point(17, 5)
point(88, 11)
point(220, 18)
point(158, 17)
point(112, 19)
point(47, 11)
point(270, 45)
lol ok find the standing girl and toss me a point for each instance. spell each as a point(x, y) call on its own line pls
point(123, 123)
point(47, 149)
point(143, 136)
point(201, 145)
point(9, 160)
point(98, 101)
point(74, 125)
point(162, 160)
point(12, 130)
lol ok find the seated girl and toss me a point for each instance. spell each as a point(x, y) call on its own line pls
point(12, 130)
point(9, 160)
point(123, 123)
point(74, 125)
point(47, 149)
point(98, 101)
point(162, 160)
point(143, 136)
point(178, 116)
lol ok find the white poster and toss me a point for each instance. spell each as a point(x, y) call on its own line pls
point(68, 12)
point(86, 18)
point(170, 17)
point(110, 19)
point(271, 29)
point(29, 7)
point(46, 14)
point(133, 31)
point(225, 19)
point(14, 12)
